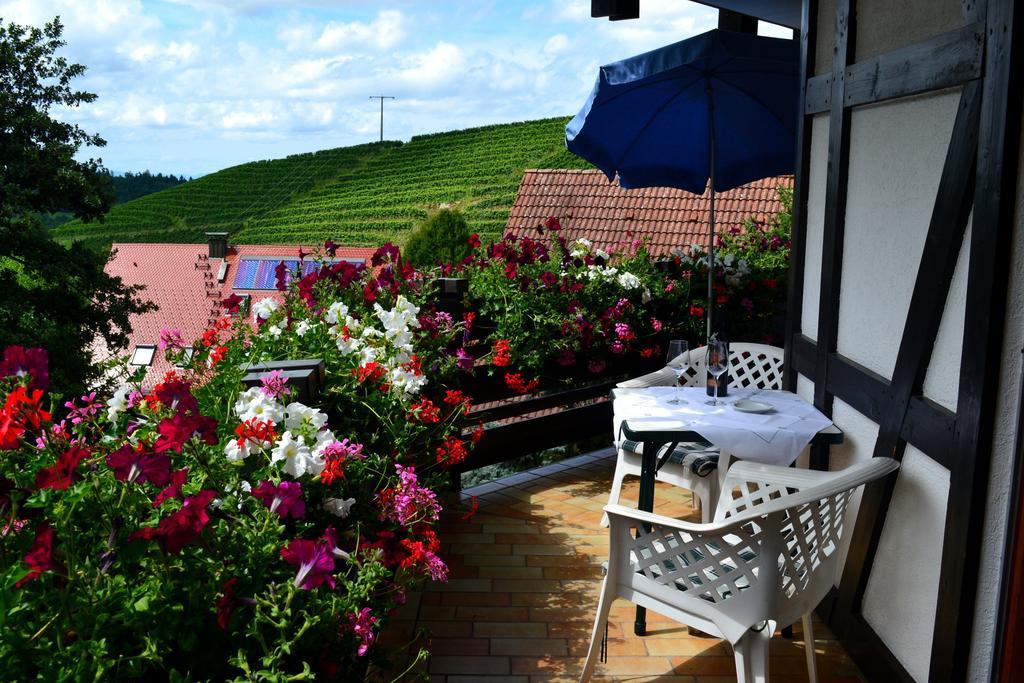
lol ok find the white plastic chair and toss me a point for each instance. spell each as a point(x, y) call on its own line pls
point(767, 560)
point(693, 465)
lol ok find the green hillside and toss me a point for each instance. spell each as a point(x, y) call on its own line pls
point(360, 196)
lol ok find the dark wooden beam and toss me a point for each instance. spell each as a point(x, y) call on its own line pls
point(869, 653)
point(798, 238)
point(988, 273)
point(938, 260)
point(835, 201)
point(615, 10)
point(942, 61)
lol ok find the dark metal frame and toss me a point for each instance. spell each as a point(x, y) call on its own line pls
point(983, 56)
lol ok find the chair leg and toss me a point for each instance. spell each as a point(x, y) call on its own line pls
point(604, 606)
point(613, 497)
point(812, 668)
point(751, 653)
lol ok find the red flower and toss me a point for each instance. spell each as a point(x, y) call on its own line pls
point(256, 430)
point(770, 283)
point(515, 382)
point(59, 476)
point(137, 465)
point(474, 505)
point(501, 356)
point(40, 556)
point(218, 355)
point(178, 429)
point(552, 224)
point(281, 275)
point(24, 404)
point(10, 431)
point(474, 241)
point(452, 451)
point(478, 433)
point(231, 304)
point(175, 393)
point(386, 254)
point(424, 411)
point(370, 372)
point(32, 362)
point(330, 247)
point(285, 498)
point(696, 311)
point(456, 398)
point(183, 527)
point(315, 560)
point(226, 603)
point(173, 490)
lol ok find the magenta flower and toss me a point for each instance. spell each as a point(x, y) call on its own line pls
point(285, 499)
point(89, 409)
point(463, 360)
point(362, 626)
point(20, 361)
point(408, 502)
point(315, 560)
point(171, 339)
point(274, 384)
point(135, 464)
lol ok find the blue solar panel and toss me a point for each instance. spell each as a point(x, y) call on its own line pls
point(258, 273)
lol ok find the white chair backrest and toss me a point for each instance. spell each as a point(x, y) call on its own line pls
point(750, 365)
point(770, 553)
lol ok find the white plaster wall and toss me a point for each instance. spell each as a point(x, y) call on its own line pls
point(858, 444)
point(900, 599)
point(896, 156)
point(942, 382)
point(904, 23)
point(816, 178)
point(994, 541)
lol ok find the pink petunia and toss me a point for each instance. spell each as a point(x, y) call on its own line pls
point(315, 560)
point(285, 498)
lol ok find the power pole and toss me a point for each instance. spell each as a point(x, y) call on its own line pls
point(381, 98)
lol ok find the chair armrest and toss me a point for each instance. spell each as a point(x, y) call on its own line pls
point(691, 528)
point(789, 477)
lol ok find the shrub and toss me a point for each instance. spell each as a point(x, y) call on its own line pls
point(442, 238)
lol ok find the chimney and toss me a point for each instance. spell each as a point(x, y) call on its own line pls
point(218, 242)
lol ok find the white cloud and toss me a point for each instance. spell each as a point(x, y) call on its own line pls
point(437, 66)
point(384, 32)
point(557, 44)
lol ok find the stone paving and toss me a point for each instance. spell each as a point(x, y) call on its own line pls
point(525, 574)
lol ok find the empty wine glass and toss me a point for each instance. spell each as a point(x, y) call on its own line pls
point(678, 362)
point(717, 364)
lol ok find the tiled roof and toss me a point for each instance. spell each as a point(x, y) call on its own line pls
point(183, 282)
point(587, 205)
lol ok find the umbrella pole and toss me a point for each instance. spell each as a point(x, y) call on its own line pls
point(711, 208)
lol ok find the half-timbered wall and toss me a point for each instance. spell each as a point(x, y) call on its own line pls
point(888, 180)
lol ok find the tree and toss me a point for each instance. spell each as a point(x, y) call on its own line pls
point(55, 297)
point(441, 238)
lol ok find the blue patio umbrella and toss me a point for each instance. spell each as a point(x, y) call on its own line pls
point(714, 111)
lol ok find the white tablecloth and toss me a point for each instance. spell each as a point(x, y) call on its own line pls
point(774, 438)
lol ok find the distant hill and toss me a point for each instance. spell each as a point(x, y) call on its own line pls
point(360, 196)
point(127, 186)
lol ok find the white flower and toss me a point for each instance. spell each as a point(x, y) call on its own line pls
point(117, 403)
point(235, 453)
point(370, 333)
point(336, 313)
point(729, 260)
point(628, 281)
point(302, 328)
point(349, 345)
point(407, 381)
point(353, 324)
point(324, 438)
point(602, 254)
point(253, 403)
point(646, 298)
point(274, 331)
point(298, 458)
point(264, 308)
point(297, 415)
point(339, 507)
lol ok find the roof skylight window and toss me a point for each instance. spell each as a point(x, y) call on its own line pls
point(143, 355)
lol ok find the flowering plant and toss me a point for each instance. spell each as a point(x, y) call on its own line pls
point(204, 529)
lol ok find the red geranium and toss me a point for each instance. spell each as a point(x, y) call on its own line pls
point(40, 556)
point(515, 382)
point(501, 355)
point(370, 372)
point(59, 477)
point(456, 398)
point(424, 411)
point(183, 527)
point(452, 451)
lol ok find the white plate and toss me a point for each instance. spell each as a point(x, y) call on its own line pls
point(745, 405)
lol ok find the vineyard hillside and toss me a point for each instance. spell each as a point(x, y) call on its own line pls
point(359, 196)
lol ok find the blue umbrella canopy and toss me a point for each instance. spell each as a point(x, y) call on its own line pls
point(651, 119)
point(717, 110)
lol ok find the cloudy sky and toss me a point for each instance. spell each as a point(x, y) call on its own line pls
point(192, 86)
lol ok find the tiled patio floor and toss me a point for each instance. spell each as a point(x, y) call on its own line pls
point(525, 574)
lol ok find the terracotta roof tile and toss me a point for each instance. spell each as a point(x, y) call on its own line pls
point(182, 281)
point(589, 206)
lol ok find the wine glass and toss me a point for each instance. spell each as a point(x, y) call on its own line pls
point(678, 362)
point(717, 364)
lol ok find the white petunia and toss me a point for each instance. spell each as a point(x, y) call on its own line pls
point(646, 297)
point(339, 507)
point(264, 308)
point(350, 345)
point(118, 403)
point(302, 328)
point(407, 381)
point(235, 453)
point(297, 457)
point(628, 280)
point(367, 354)
point(253, 403)
point(274, 331)
point(602, 254)
point(297, 415)
point(336, 313)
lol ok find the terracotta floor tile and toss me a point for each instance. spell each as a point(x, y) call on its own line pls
point(520, 629)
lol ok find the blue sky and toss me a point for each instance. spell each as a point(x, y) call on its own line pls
point(192, 86)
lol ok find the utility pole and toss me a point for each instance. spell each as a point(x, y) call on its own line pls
point(381, 98)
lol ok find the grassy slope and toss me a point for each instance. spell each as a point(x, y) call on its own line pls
point(360, 196)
